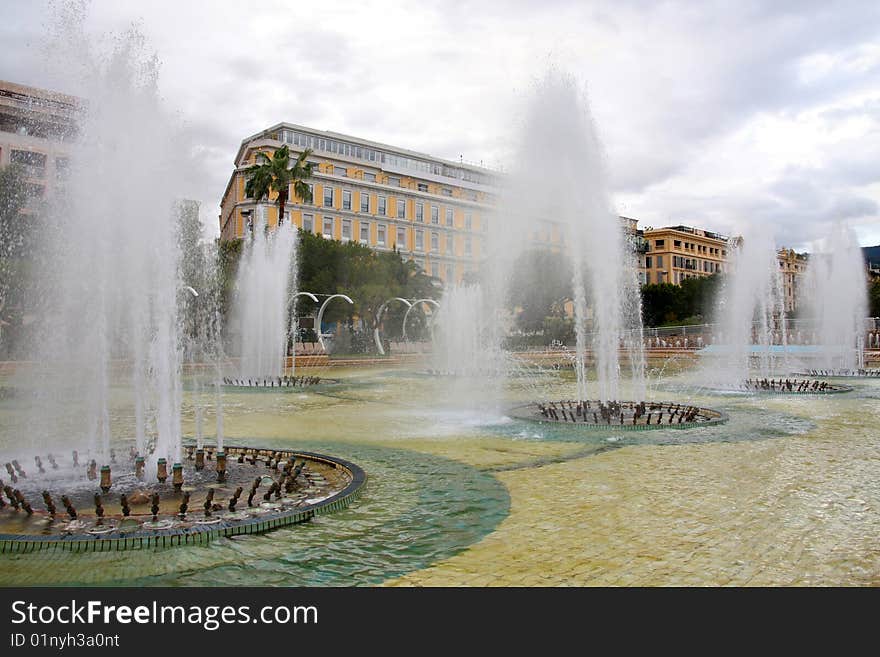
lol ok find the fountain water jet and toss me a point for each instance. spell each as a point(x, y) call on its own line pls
point(562, 157)
point(835, 296)
point(266, 280)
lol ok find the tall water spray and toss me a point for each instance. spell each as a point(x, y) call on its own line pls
point(751, 311)
point(107, 324)
point(465, 337)
point(835, 297)
point(266, 284)
point(559, 176)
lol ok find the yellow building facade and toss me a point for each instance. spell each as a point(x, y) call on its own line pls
point(37, 127)
point(792, 267)
point(436, 212)
point(676, 253)
point(432, 211)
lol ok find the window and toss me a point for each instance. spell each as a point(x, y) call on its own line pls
point(328, 228)
point(446, 191)
point(394, 182)
point(346, 229)
point(381, 209)
point(660, 244)
point(311, 199)
point(34, 163)
point(371, 177)
point(423, 187)
point(660, 262)
point(449, 217)
point(340, 171)
point(435, 215)
point(346, 199)
point(380, 235)
point(468, 221)
point(420, 240)
point(365, 232)
point(328, 197)
point(450, 243)
point(62, 168)
point(308, 223)
point(467, 245)
point(435, 270)
point(401, 209)
point(450, 273)
point(365, 202)
point(401, 238)
point(676, 243)
point(420, 212)
point(435, 242)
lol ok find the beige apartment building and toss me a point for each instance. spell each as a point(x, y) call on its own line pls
point(36, 129)
point(432, 211)
point(675, 253)
point(792, 267)
point(436, 211)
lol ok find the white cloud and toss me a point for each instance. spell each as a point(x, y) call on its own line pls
point(710, 113)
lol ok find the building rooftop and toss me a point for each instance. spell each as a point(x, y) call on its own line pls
point(37, 112)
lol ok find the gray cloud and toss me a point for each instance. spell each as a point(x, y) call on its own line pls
point(669, 83)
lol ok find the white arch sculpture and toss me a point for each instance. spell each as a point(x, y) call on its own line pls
point(321, 315)
point(376, 338)
point(415, 303)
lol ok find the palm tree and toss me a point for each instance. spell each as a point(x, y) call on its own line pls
point(274, 174)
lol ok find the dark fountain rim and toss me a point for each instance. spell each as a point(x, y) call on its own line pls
point(832, 389)
point(324, 381)
point(199, 535)
point(719, 417)
point(839, 374)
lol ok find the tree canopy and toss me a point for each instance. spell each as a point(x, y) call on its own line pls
point(369, 277)
point(275, 174)
point(691, 302)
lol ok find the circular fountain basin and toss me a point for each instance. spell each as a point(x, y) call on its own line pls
point(274, 384)
point(480, 374)
point(791, 387)
point(619, 416)
point(869, 373)
point(322, 484)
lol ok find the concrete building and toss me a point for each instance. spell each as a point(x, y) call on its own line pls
point(436, 211)
point(36, 129)
point(675, 253)
point(792, 267)
point(432, 211)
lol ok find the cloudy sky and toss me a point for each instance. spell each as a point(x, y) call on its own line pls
point(713, 114)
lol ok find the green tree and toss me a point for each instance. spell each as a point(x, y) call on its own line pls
point(368, 277)
point(539, 287)
point(692, 302)
point(275, 174)
point(15, 263)
point(874, 298)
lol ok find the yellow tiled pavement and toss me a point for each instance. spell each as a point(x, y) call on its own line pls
point(673, 515)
